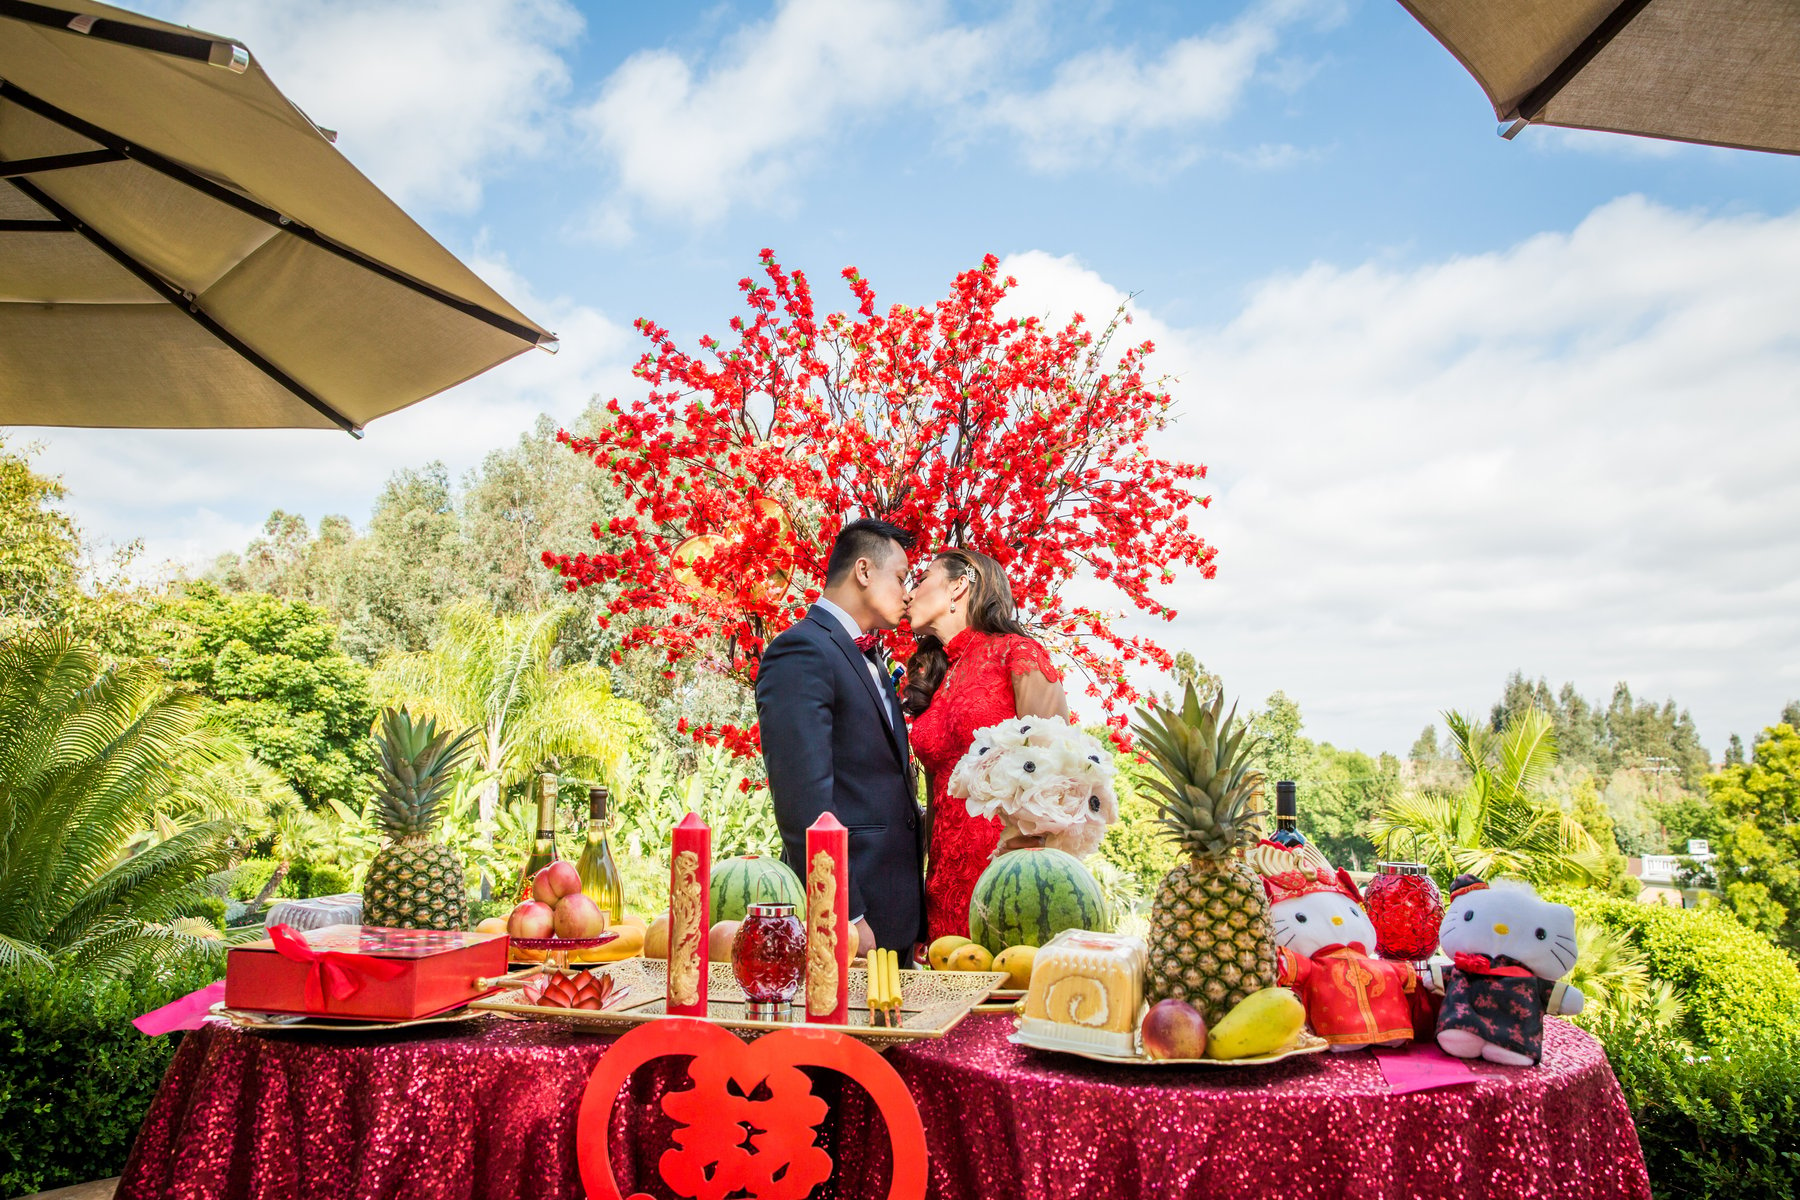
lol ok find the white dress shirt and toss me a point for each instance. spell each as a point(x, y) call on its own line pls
point(856, 631)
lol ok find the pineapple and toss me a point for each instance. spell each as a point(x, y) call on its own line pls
point(1211, 942)
point(414, 883)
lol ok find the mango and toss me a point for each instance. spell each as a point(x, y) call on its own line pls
point(1016, 962)
point(1262, 1023)
point(972, 957)
point(942, 949)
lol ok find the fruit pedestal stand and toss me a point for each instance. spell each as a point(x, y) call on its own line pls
point(489, 1109)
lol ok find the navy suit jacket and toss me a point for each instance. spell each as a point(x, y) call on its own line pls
point(828, 749)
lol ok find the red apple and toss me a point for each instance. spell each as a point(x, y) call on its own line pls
point(578, 917)
point(555, 881)
point(718, 942)
point(1174, 1029)
point(531, 920)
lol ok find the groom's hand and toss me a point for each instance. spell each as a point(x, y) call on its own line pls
point(865, 939)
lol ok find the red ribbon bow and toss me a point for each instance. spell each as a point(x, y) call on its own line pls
point(868, 642)
point(1481, 964)
point(334, 972)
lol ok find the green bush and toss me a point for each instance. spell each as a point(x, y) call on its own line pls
point(210, 909)
point(1739, 991)
point(251, 876)
point(75, 1077)
point(1712, 1127)
point(304, 880)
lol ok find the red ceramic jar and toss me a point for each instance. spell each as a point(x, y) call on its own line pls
point(1406, 909)
point(768, 956)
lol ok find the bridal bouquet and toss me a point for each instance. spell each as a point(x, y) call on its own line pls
point(1044, 778)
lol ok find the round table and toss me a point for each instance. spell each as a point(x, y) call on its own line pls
point(488, 1109)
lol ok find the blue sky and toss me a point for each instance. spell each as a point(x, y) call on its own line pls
point(1469, 405)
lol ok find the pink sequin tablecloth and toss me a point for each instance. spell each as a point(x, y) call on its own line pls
point(488, 1109)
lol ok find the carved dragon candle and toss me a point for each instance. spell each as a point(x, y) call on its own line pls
point(828, 936)
point(690, 915)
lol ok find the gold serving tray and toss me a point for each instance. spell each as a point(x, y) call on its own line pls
point(931, 1002)
point(261, 1022)
point(1306, 1043)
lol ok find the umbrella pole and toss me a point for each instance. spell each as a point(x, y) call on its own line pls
point(185, 303)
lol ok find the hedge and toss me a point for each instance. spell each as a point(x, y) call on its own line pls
point(1739, 990)
point(75, 1077)
point(1720, 1126)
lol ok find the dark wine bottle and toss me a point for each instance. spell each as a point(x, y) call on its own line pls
point(1287, 816)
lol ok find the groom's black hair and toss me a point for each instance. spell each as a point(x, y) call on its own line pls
point(862, 539)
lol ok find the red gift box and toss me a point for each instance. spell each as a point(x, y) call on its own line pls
point(362, 972)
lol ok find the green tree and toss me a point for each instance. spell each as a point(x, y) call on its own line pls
point(1284, 752)
point(1500, 823)
point(86, 758)
point(1755, 836)
point(40, 548)
point(1734, 751)
point(1425, 746)
point(274, 669)
point(502, 674)
point(49, 575)
point(1590, 812)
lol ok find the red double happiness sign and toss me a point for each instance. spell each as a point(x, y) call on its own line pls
point(728, 1143)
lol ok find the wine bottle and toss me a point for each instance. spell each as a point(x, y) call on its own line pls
point(599, 873)
point(1287, 816)
point(543, 847)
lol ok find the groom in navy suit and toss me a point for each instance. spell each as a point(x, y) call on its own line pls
point(834, 740)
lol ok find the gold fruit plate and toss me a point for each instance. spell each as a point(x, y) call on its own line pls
point(267, 1022)
point(931, 1003)
point(1306, 1043)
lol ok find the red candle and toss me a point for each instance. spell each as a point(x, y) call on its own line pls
point(828, 944)
point(690, 915)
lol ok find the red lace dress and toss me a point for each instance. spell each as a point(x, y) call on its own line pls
point(978, 691)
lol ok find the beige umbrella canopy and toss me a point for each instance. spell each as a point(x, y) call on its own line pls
point(1720, 72)
point(181, 248)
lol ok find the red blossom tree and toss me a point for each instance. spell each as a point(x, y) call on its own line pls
point(1009, 436)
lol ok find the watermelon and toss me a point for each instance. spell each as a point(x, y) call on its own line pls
point(737, 883)
point(1026, 897)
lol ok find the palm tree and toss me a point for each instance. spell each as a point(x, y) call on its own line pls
point(88, 758)
point(499, 674)
point(1498, 824)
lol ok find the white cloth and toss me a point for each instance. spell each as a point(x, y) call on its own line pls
point(856, 631)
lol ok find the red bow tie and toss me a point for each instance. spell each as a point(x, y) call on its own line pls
point(868, 642)
point(1480, 964)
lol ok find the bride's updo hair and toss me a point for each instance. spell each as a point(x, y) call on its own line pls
point(991, 610)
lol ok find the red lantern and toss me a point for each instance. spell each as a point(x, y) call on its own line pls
point(713, 1153)
point(1406, 909)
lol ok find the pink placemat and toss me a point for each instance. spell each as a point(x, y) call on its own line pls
point(189, 1012)
point(1419, 1067)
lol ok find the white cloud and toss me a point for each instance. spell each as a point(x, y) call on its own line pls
point(1111, 95)
point(693, 141)
point(191, 494)
point(1572, 457)
point(427, 96)
point(694, 137)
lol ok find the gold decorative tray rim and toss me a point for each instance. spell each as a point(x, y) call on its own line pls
point(1306, 1043)
point(932, 1003)
point(259, 1022)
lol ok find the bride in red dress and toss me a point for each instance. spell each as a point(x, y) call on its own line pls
point(975, 666)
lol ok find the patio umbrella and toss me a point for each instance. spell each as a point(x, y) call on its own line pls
point(1719, 72)
point(180, 247)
